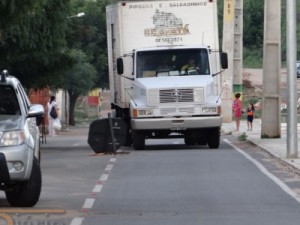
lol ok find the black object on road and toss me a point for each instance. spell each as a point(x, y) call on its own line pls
point(107, 135)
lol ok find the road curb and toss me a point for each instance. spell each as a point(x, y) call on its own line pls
point(282, 161)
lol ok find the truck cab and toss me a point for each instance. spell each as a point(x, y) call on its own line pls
point(172, 94)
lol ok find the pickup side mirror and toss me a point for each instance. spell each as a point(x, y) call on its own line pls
point(224, 60)
point(120, 66)
point(36, 110)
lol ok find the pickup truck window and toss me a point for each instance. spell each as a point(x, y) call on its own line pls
point(8, 101)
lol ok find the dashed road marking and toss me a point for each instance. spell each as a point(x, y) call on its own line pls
point(89, 202)
point(77, 221)
point(97, 188)
point(103, 177)
point(109, 167)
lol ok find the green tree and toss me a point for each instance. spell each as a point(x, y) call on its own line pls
point(32, 37)
point(89, 35)
point(86, 40)
point(78, 80)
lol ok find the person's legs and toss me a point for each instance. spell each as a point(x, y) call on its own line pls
point(237, 122)
point(250, 121)
point(50, 127)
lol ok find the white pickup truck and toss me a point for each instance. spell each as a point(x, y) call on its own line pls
point(20, 172)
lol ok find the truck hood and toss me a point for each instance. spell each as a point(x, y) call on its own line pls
point(175, 82)
point(9, 122)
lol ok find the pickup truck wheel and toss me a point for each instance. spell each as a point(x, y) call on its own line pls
point(213, 138)
point(138, 140)
point(26, 194)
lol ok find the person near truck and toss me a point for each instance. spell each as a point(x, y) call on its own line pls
point(237, 110)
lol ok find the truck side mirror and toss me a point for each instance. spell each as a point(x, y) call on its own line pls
point(120, 66)
point(224, 60)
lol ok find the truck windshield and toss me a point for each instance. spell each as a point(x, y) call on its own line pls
point(179, 62)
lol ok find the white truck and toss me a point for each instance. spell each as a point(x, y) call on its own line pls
point(153, 88)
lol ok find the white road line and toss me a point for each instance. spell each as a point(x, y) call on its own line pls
point(97, 188)
point(88, 203)
point(281, 184)
point(109, 167)
point(113, 159)
point(103, 177)
point(77, 221)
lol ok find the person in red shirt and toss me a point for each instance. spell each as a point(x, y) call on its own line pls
point(250, 116)
point(237, 110)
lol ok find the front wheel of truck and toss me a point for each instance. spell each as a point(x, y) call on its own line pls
point(138, 140)
point(213, 138)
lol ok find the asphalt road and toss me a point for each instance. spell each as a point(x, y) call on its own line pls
point(168, 183)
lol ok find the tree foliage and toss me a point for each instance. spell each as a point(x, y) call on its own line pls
point(78, 79)
point(86, 40)
point(253, 31)
point(89, 35)
point(35, 37)
point(32, 39)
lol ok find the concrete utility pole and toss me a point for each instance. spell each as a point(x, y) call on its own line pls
point(292, 137)
point(233, 45)
point(227, 46)
point(238, 47)
point(271, 125)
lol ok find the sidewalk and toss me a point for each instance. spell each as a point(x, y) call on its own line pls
point(277, 147)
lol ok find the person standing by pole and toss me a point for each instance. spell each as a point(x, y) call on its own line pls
point(237, 110)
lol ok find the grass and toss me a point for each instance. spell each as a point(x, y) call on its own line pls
point(243, 137)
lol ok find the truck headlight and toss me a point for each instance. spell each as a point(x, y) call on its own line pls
point(198, 95)
point(209, 109)
point(142, 112)
point(11, 138)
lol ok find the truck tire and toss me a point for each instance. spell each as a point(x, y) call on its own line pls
point(213, 138)
point(190, 138)
point(26, 194)
point(138, 140)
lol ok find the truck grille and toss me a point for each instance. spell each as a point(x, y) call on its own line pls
point(183, 95)
point(176, 95)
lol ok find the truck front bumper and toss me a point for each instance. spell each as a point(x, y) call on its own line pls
point(182, 123)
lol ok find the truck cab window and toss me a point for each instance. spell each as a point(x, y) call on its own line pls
point(172, 63)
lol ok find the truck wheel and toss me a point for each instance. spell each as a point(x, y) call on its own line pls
point(26, 194)
point(138, 140)
point(190, 138)
point(213, 138)
point(128, 140)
